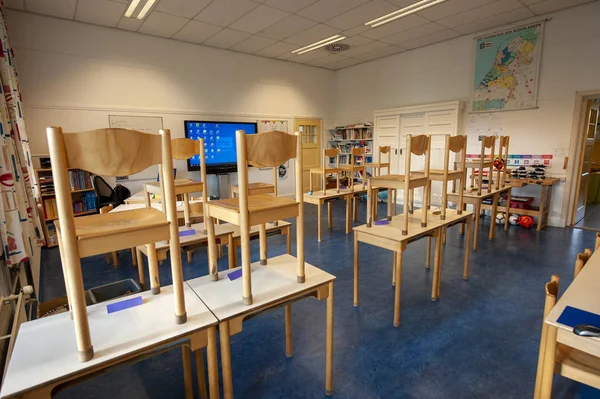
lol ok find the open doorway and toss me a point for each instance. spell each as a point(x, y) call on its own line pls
point(586, 204)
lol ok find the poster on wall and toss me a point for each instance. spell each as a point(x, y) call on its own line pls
point(507, 66)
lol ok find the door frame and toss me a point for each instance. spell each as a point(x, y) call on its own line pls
point(577, 147)
point(321, 136)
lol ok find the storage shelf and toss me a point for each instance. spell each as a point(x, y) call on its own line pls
point(84, 190)
point(76, 214)
point(343, 141)
point(534, 211)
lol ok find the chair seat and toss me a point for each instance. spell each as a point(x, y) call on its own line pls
point(577, 365)
point(255, 188)
point(397, 181)
point(352, 167)
point(262, 209)
point(326, 170)
point(182, 186)
point(475, 163)
point(438, 174)
point(107, 232)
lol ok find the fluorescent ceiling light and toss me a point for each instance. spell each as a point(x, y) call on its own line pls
point(403, 12)
point(131, 8)
point(145, 9)
point(319, 44)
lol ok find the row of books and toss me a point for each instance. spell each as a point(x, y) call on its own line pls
point(80, 179)
point(86, 203)
point(353, 134)
point(46, 184)
point(347, 148)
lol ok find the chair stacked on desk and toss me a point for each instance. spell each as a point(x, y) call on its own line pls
point(384, 150)
point(356, 164)
point(111, 152)
point(325, 169)
point(477, 165)
point(268, 149)
point(410, 180)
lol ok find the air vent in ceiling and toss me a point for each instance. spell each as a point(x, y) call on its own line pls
point(336, 47)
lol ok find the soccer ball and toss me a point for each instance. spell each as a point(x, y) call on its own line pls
point(499, 163)
point(514, 219)
point(500, 218)
point(526, 222)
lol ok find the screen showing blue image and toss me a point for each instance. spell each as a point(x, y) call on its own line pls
point(219, 141)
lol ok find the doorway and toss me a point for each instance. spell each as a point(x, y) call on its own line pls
point(310, 129)
point(586, 204)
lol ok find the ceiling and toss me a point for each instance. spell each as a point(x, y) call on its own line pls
point(273, 28)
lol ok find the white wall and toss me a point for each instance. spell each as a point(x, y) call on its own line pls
point(444, 71)
point(74, 75)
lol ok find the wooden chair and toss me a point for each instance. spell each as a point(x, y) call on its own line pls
point(325, 169)
point(380, 164)
point(561, 359)
point(482, 163)
point(503, 155)
point(581, 260)
point(597, 243)
point(268, 149)
point(259, 188)
point(415, 145)
point(356, 164)
point(454, 144)
point(111, 152)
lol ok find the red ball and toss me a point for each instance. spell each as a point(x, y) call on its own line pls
point(498, 163)
point(526, 222)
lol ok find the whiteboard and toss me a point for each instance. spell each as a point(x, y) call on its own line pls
point(146, 124)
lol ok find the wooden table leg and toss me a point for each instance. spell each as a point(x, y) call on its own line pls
point(288, 240)
point(398, 269)
point(462, 226)
point(188, 378)
point(428, 254)
point(389, 204)
point(319, 222)
point(371, 203)
point(477, 211)
point(469, 222)
point(133, 258)
point(213, 364)
point(436, 265)
point(441, 261)
point(494, 212)
point(231, 255)
point(153, 268)
point(329, 344)
point(189, 256)
point(201, 374)
point(329, 215)
point(348, 214)
point(115, 260)
point(226, 360)
point(508, 199)
point(356, 275)
point(540, 218)
point(289, 348)
point(394, 260)
point(140, 266)
point(394, 195)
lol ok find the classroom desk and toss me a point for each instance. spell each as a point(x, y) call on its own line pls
point(389, 236)
point(273, 286)
point(318, 198)
point(540, 212)
point(581, 294)
point(280, 227)
point(45, 359)
point(475, 198)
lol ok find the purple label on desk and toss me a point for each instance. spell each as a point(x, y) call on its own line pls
point(184, 233)
point(381, 222)
point(234, 275)
point(573, 316)
point(122, 305)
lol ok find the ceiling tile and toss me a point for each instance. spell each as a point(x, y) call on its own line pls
point(431, 39)
point(289, 5)
point(288, 27)
point(382, 52)
point(311, 35)
point(54, 8)
point(224, 12)
point(365, 48)
point(480, 13)
point(130, 23)
point(258, 19)
point(355, 41)
point(277, 49)
point(400, 25)
point(356, 31)
point(414, 33)
point(361, 14)
point(182, 8)
point(323, 10)
point(15, 4)
point(497, 20)
point(253, 44)
point(530, 2)
point(554, 5)
point(343, 64)
point(452, 7)
point(196, 32)
point(101, 12)
point(161, 24)
point(329, 59)
point(308, 57)
point(227, 38)
point(402, 3)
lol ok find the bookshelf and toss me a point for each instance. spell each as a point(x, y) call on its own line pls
point(82, 193)
point(347, 137)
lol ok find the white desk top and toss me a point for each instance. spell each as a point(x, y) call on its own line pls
point(270, 284)
point(254, 229)
point(155, 205)
point(199, 236)
point(46, 349)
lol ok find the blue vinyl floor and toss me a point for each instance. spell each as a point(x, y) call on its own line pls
point(480, 340)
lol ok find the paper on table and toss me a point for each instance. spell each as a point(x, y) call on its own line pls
point(572, 316)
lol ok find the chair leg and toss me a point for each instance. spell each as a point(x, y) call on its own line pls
point(226, 360)
point(310, 182)
point(201, 374)
point(115, 259)
point(213, 269)
point(133, 257)
point(262, 235)
point(153, 268)
point(188, 378)
point(405, 211)
point(140, 266)
point(289, 351)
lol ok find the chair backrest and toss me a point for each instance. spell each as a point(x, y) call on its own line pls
point(357, 156)
point(417, 145)
point(455, 144)
point(329, 153)
point(385, 150)
point(503, 155)
point(548, 332)
point(184, 149)
point(551, 294)
point(581, 260)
